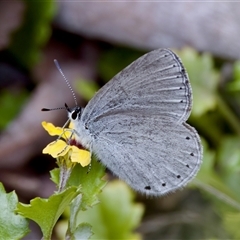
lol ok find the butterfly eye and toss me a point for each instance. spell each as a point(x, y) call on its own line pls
point(74, 115)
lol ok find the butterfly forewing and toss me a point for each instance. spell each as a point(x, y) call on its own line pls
point(155, 85)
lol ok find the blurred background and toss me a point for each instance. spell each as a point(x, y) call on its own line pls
point(92, 42)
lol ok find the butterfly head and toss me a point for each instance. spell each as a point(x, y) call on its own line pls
point(74, 114)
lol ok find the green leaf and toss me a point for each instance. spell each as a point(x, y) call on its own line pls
point(33, 34)
point(234, 85)
point(222, 186)
point(229, 163)
point(231, 221)
point(86, 89)
point(90, 181)
point(12, 226)
point(229, 155)
point(115, 60)
point(229, 101)
point(236, 71)
point(55, 175)
point(204, 80)
point(45, 212)
point(116, 216)
point(83, 231)
point(74, 209)
point(209, 181)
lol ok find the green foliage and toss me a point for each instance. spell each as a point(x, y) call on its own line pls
point(90, 184)
point(204, 80)
point(83, 231)
point(86, 89)
point(83, 213)
point(219, 176)
point(10, 106)
point(90, 180)
point(234, 85)
point(116, 204)
point(12, 226)
point(34, 32)
point(231, 222)
point(76, 230)
point(45, 212)
point(114, 60)
point(116, 216)
point(222, 187)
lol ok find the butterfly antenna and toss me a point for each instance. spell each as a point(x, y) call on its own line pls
point(67, 82)
point(51, 109)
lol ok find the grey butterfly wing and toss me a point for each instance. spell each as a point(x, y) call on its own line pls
point(137, 125)
point(156, 84)
point(153, 158)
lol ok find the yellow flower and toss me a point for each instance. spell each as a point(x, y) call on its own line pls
point(65, 144)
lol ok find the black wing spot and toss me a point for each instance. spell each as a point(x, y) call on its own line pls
point(181, 101)
point(86, 126)
point(192, 154)
point(147, 188)
point(163, 184)
point(187, 166)
point(187, 138)
point(178, 176)
point(173, 65)
point(180, 88)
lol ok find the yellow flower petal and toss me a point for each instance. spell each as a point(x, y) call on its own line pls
point(81, 156)
point(51, 129)
point(56, 148)
point(57, 131)
point(67, 133)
